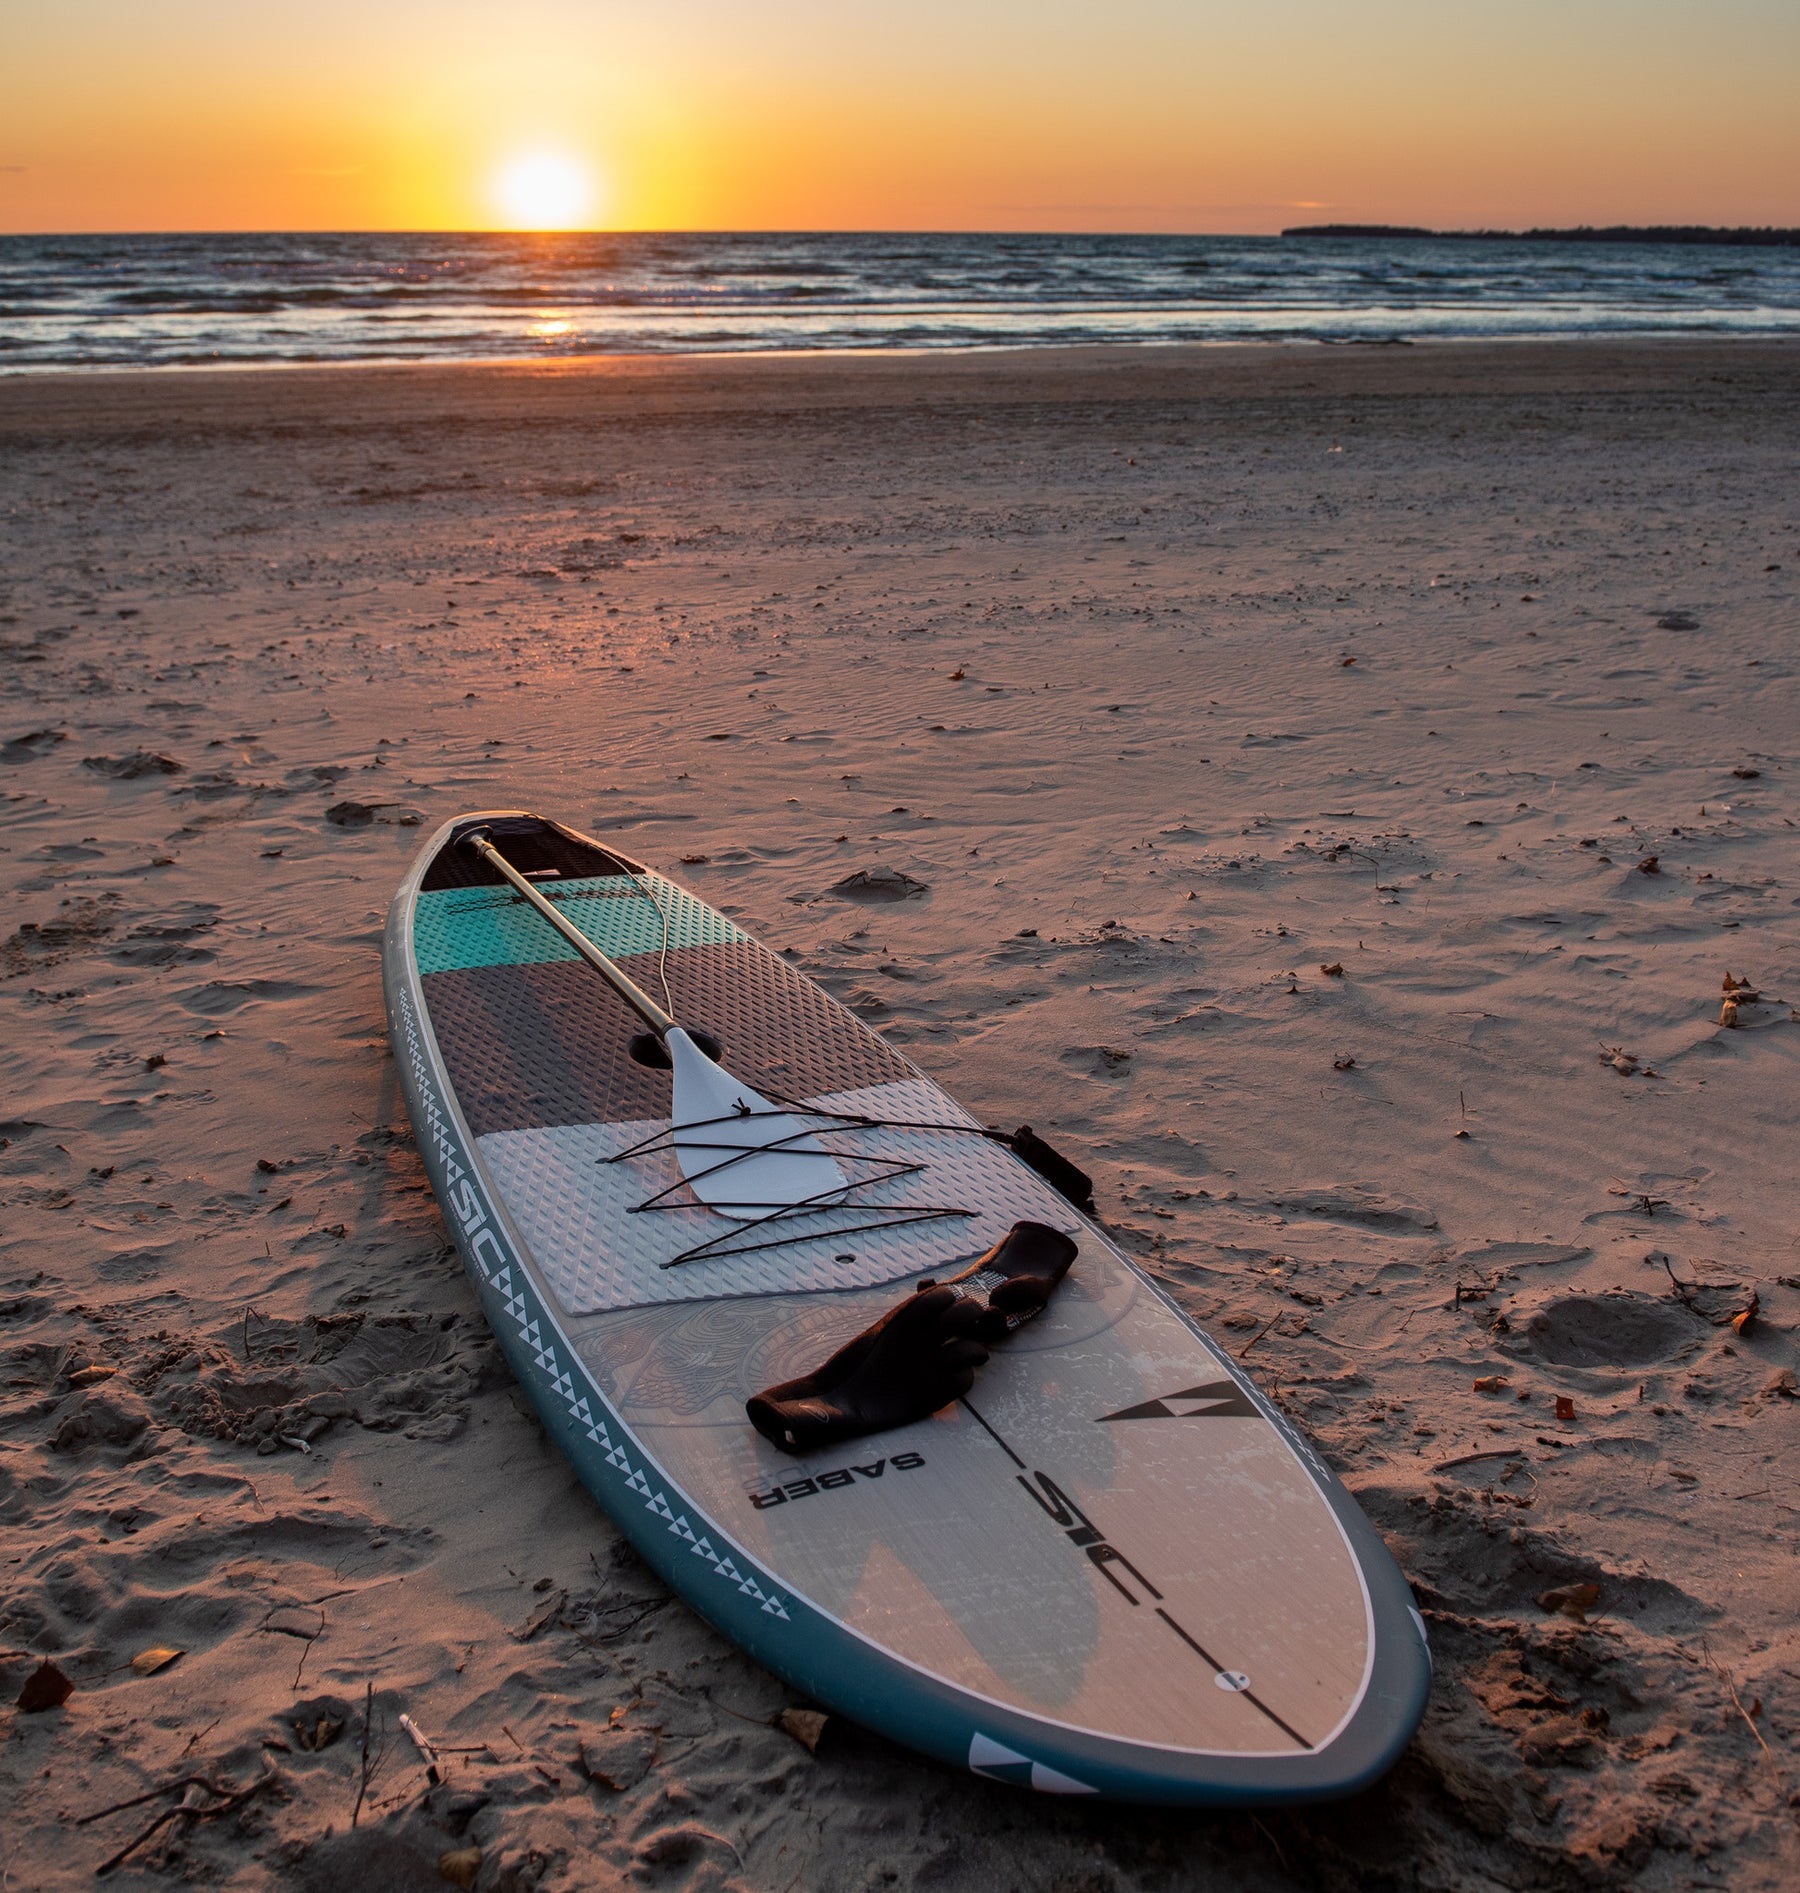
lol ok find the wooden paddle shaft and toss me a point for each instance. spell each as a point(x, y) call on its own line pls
point(622, 983)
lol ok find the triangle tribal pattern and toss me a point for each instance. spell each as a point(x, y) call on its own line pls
point(999, 1763)
point(516, 1298)
point(1217, 1399)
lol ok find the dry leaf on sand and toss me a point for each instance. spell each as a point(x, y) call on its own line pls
point(804, 1725)
point(148, 1662)
point(1570, 1600)
point(548, 1609)
point(317, 1724)
point(460, 1865)
point(45, 1688)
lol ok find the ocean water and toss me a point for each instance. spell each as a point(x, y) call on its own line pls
point(173, 301)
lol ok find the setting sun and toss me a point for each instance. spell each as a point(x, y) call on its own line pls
point(544, 190)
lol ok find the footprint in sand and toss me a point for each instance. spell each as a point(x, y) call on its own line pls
point(1609, 1331)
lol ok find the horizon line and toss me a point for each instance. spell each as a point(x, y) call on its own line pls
point(1382, 226)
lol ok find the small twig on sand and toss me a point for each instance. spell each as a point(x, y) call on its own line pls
point(1273, 1842)
point(761, 1722)
point(641, 1606)
point(248, 1311)
point(401, 1798)
point(187, 1809)
point(307, 1637)
point(182, 1782)
point(186, 1805)
point(1258, 1335)
point(1684, 1289)
point(1468, 1459)
point(1724, 1676)
point(427, 1753)
point(365, 1772)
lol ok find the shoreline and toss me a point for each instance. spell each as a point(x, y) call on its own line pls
point(600, 358)
point(1164, 371)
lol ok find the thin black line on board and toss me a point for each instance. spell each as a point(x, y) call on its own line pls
point(995, 1437)
point(1219, 1669)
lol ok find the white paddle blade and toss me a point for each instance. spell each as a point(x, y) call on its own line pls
point(742, 1156)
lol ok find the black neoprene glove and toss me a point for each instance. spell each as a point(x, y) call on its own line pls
point(1016, 1277)
point(918, 1357)
point(923, 1353)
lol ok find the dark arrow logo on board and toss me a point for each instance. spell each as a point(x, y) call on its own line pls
point(1218, 1399)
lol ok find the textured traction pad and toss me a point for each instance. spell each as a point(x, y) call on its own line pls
point(549, 1043)
point(458, 928)
point(574, 1209)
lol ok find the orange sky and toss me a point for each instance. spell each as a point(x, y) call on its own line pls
point(987, 114)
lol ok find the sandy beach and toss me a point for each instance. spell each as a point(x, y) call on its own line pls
point(1343, 781)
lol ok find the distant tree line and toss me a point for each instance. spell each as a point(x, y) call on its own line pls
point(1743, 235)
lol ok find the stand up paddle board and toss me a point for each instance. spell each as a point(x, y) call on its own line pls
point(1113, 1568)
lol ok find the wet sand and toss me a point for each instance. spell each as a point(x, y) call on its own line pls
point(1342, 779)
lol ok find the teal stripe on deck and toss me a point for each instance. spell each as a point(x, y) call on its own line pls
point(460, 927)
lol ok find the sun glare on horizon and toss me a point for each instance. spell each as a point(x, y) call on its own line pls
point(545, 190)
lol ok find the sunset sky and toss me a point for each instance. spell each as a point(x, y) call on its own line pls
point(1178, 115)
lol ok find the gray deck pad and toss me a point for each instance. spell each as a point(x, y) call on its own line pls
point(547, 1042)
point(573, 1208)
